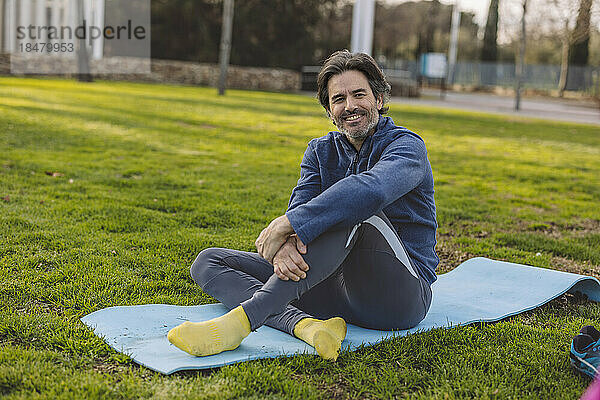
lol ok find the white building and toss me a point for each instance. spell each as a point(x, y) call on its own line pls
point(48, 13)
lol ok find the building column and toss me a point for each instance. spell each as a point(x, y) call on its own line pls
point(24, 19)
point(2, 25)
point(363, 19)
point(40, 13)
point(98, 44)
point(54, 13)
point(10, 19)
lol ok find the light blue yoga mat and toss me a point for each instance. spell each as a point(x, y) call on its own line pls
point(479, 289)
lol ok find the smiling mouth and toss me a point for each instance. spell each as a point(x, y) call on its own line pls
point(352, 118)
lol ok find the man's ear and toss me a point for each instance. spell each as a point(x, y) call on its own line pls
point(380, 101)
point(330, 117)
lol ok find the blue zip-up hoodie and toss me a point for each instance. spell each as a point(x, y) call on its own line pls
point(339, 186)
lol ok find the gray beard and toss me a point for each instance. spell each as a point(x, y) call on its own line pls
point(361, 135)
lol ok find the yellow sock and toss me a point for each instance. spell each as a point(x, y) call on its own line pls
point(325, 336)
point(213, 336)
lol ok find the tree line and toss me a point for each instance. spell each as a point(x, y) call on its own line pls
point(293, 33)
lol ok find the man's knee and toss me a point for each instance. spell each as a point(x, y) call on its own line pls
point(202, 270)
point(385, 318)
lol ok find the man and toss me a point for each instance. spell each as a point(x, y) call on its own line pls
point(356, 243)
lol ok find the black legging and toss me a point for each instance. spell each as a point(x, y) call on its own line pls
point(362, 274)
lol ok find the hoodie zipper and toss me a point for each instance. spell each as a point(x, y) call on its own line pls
point(355, 163)
point(354, 168)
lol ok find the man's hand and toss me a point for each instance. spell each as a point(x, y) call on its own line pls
point(288, 262)
point(273, 237)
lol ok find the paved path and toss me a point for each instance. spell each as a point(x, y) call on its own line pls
point(545, 108)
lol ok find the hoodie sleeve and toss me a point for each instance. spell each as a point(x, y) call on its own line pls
point(309, 184)
point(401, 168)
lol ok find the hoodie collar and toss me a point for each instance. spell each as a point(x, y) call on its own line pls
point(383, 126)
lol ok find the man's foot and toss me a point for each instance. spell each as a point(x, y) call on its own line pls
point(212, 336)
point(325, 336)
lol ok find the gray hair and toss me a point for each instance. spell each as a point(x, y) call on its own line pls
point(342, 61)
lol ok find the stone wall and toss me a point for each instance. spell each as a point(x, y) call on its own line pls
point(169, 71)
point(237, 77)
point(4, 64)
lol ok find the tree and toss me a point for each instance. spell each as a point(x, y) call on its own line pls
point(489, 51)
point(186, 30)
point(467, 49)
point(579, 50)
point(428, 28)
point(275, 32)
point(225, 47)
point(567, 11)
point(292, 33)
point(580, 41)
point(398, 27)
point(521, 59)
point(83, 62)
point(550, 24)
point(333, 32)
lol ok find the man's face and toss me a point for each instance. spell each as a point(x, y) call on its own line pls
point(352, 106)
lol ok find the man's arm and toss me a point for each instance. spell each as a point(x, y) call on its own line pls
point(288, 262)
point(355, 198)
point(273, 237)
point(309, 184)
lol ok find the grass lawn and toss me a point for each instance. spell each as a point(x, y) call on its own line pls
point(109, 190)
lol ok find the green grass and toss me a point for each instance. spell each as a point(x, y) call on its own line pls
point(146, 176)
